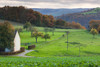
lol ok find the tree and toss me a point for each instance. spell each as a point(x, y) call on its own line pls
point(36, 35)
point(33, 29)
point(94, 32)
point(98, 29)
point(52, 20)
point(45, 21)
point(19, 30)
point(46, 36)
point(60, 22)
point(94, 24)
point(6, 36)
point(27, 25)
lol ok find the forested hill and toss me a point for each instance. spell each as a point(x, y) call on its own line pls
point(82, 17)
point(22, 15)
point(58, 12)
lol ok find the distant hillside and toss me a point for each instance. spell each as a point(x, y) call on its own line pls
point(82, 17)
point(58, 12)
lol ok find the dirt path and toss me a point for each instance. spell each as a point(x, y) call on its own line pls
point(23, 54)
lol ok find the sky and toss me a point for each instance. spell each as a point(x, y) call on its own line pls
point(52, 3)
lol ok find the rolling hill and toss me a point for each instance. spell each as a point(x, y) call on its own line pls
point(13, 23)
point(58, 12)
point(82, 17)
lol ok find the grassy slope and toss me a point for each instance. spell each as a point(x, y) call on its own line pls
point(96, 10)
point(58, 47)
point(15, 24)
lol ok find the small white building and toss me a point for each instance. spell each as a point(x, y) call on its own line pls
point(16, 43)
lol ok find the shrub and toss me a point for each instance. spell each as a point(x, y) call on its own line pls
point(46, 36)
point(22, 49)
point(31, 47)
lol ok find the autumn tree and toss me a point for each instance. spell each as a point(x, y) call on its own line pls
point(52, 21)
point(46, 36)
point(6, 36)
point(45, 21)
point(38, 16)
point(94, 24)
point(36, 34)
point(60, 22)
point(34, 29)
point(94, 32)
point(98, 29)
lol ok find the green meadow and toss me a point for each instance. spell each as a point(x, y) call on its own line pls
point(83, 50)
point(56, 46)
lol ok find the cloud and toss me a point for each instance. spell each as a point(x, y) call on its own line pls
point(52, 3)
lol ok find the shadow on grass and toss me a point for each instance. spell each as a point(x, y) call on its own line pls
point(93, 53)
point(74, 43)
point(77, 43)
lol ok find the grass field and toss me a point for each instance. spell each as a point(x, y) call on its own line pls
point(58, 47)
point(53, 53)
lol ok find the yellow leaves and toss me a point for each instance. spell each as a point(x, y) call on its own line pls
point(36, 34)
point(98, 29)
point(94, 31)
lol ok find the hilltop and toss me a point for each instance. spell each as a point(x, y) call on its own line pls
point(82, 17)
point(58, 12)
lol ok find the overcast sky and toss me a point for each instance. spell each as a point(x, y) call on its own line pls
point(52, 3)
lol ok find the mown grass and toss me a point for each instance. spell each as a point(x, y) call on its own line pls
point(58, 47)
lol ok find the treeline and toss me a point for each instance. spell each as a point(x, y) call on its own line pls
point(63, 24)
point(82, 17)
point(22, 15)
point(95, 24)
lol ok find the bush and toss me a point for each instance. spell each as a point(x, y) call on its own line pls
point(31, 47)
point(19, 29)
point(22, 49)
point(13, 53)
